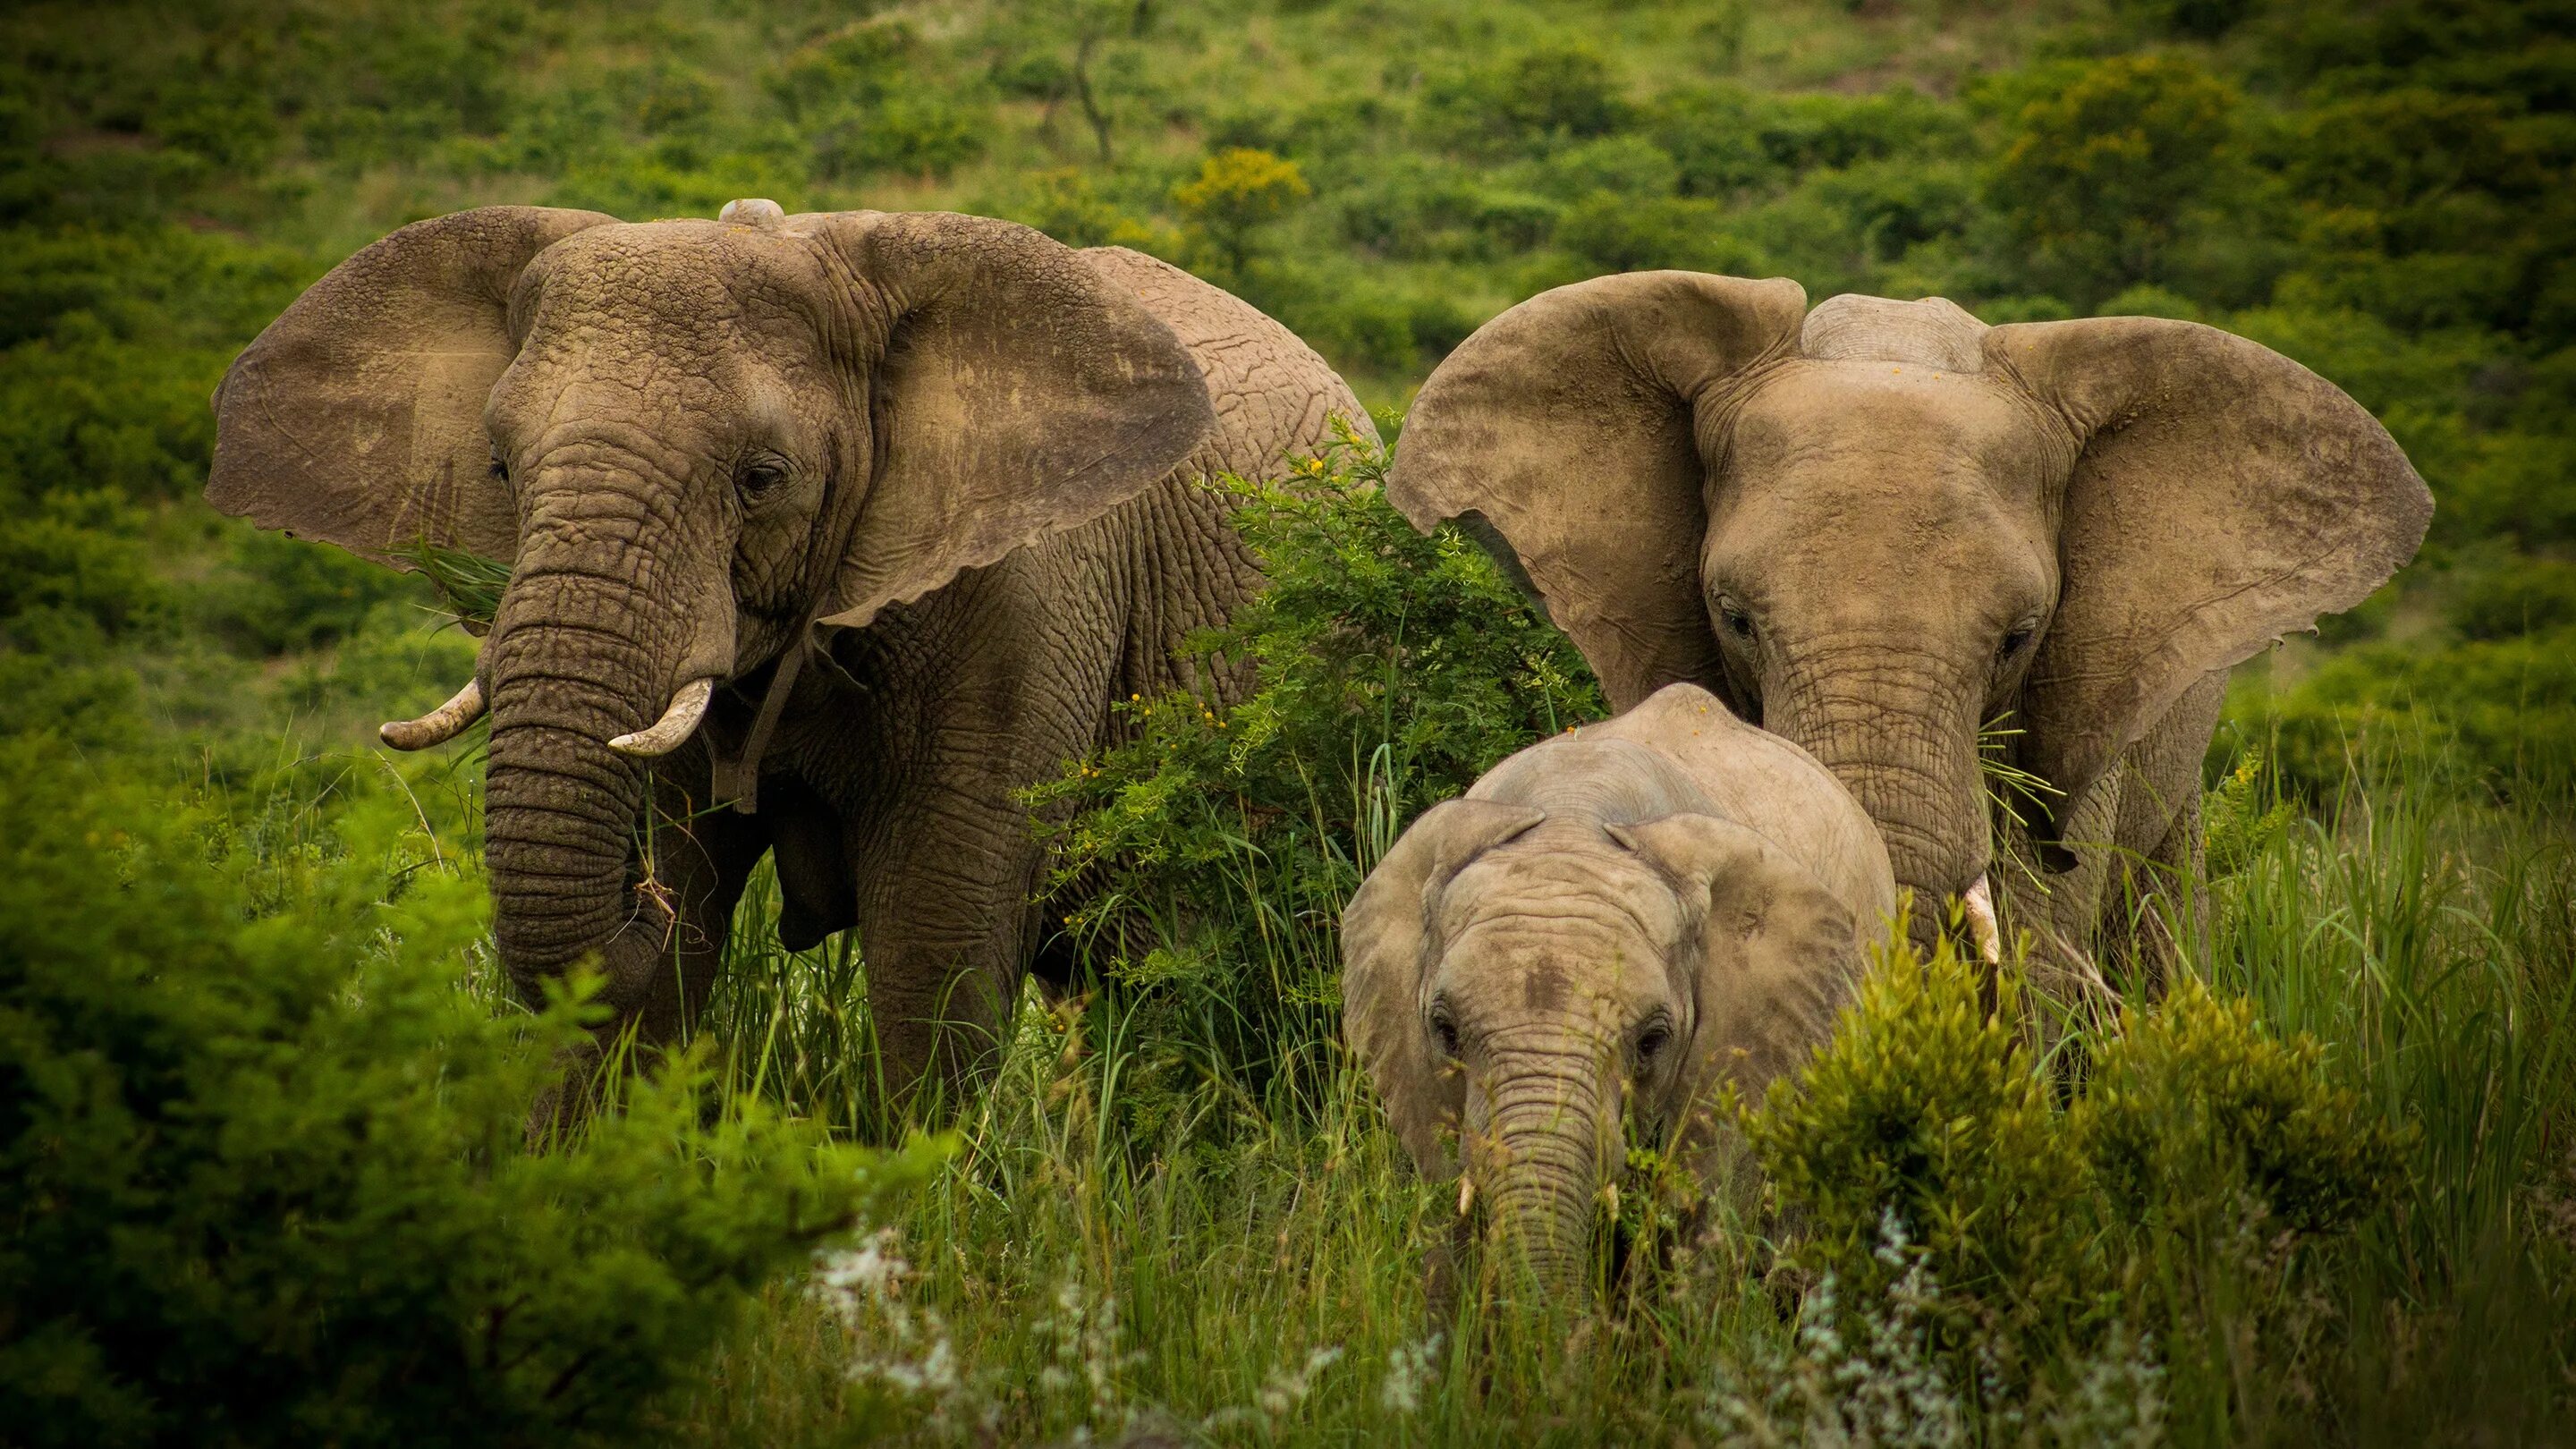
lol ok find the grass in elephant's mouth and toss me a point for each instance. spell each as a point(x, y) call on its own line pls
point(1129, 1239)
point(469, 584)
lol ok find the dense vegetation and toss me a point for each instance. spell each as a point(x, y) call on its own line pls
point(230, 925)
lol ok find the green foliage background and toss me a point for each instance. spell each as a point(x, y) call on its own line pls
point(2380, 189)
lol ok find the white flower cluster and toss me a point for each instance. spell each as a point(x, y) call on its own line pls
point(1890, 1393)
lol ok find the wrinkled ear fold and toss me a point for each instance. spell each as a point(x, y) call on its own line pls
point(2224, 495)
point(1386, 949)
point(1779, 953)
point(1576, 430)
point(357, 416)
point(1020, 394)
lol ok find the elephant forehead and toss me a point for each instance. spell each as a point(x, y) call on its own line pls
point(1556, 927)
point(1921, 422)
point(679, 280)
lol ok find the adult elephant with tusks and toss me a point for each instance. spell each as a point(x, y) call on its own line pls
point(828, 534)
point(1906, 540)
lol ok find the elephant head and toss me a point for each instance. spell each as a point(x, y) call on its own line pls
point(693, 441)
point(1537, 987)
point(1879, 526)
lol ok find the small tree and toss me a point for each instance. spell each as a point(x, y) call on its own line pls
point(1238, 192)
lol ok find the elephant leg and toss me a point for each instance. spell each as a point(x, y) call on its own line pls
point(2156, 898)
point(944, 926)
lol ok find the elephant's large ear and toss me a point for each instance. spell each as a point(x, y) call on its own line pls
point(1579, 427)
point(1020, 394)
point(2224, 495)
point(357, 416)
point(1385, 940)
point(1778, 951)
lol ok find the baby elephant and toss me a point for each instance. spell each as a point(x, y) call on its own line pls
point(1611, 926)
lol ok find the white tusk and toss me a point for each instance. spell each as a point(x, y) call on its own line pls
point(439, 725)
point(1980, 901)
point(688, 706)
point(1466, 1193)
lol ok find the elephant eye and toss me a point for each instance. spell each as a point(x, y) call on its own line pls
point(1444, 1029)
point(2014, 640)
point(1652, 1041)
point(763, 476)
point(500, 467)
point(1738, 622)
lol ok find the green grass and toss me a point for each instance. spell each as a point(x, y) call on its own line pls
point(2429, 944)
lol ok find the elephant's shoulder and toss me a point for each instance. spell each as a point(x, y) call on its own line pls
point(1274, 395)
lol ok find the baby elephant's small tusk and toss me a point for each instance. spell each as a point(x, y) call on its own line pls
point(1466, 1193)
point(673, 729)
point(439, 725)
point(1980, 903)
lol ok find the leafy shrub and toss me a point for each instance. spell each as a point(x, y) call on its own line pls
point(1927, 1139)
point(2517, 596)
point(1534, 101)
point(1611, 233)
point(2497, 709)
point(280, 595)
point(2100, 169)
point(2191, 1100)
point(80, 554)
point(261, 1172)
point(1210, 853)
point(1927, 1109)
point(1066, 204)
point(855, 93)
point(1237, 193)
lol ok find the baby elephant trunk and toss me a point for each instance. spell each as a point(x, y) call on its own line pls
point(1549, 1146)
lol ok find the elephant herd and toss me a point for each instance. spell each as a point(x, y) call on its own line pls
point(830, 534)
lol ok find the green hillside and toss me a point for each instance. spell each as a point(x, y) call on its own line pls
point(2382, 189)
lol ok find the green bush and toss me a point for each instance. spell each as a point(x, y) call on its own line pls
point(2191, 1112)
point(1928, 1138)
point(2502, 711)
point(281, 595)
point(2102, 165)
point(261, 1172)
point(1534, 101)
point(854, 93)
point(1209, 855)
point(1927, 1108)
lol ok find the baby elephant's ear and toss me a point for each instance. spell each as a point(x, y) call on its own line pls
point(1779, 954)
point(1020, 393)
point(1385, 951)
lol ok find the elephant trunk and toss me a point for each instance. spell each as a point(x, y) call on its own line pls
point(1902, 737)
point(580, 654)
point(1547, 1144)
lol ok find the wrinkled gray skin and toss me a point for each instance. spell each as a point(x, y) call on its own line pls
point(1879, 526)
point(965, 452)
point(1609, 928)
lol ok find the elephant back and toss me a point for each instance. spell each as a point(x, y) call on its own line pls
point(1275, 397)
